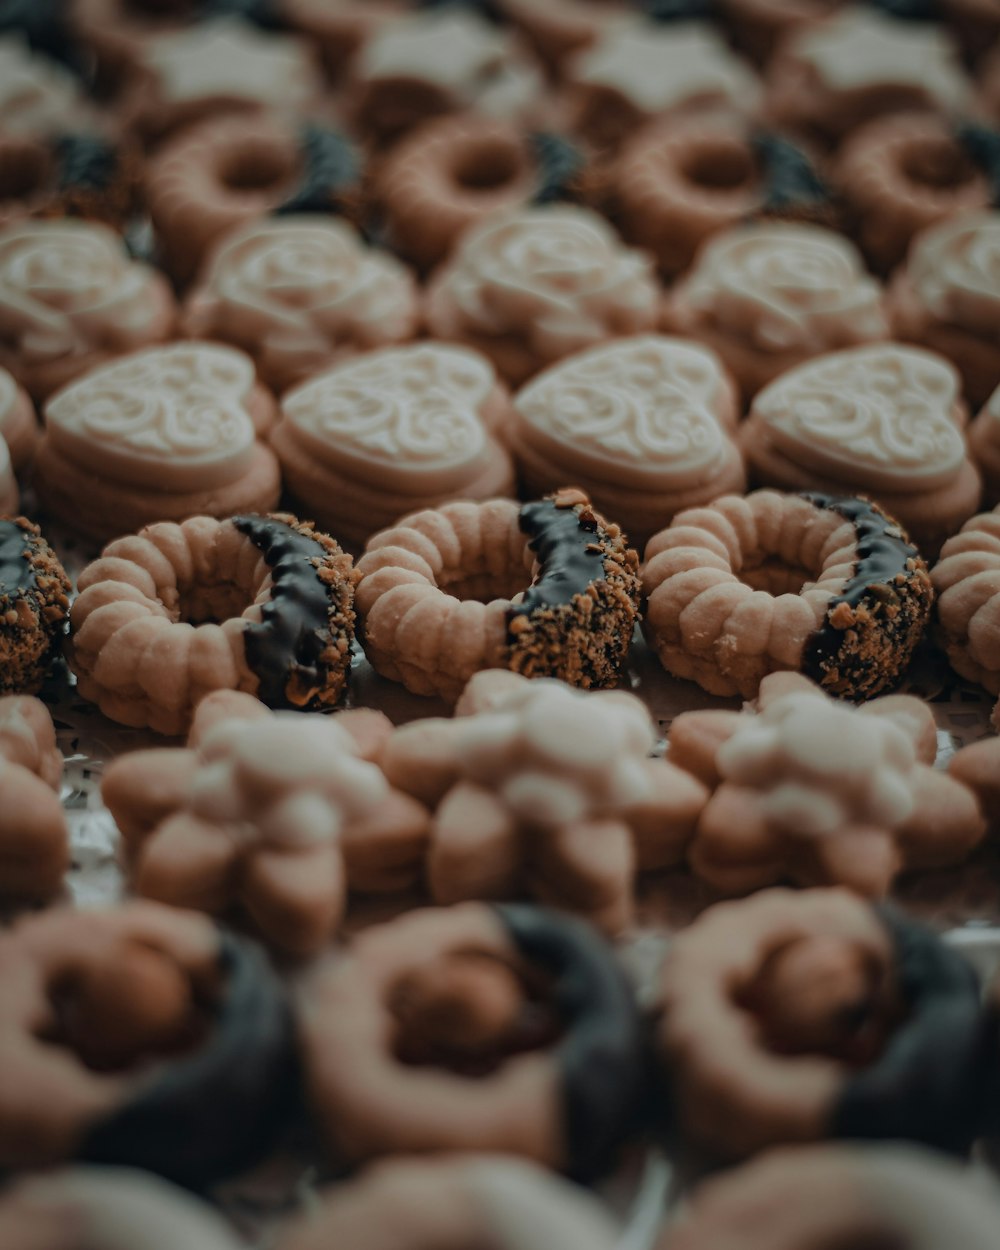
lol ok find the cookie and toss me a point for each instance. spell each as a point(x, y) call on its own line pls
point(644, 425)
point(34, 605)
point(393, 431)
point(883, 420)
point(530, 287)
point(162, 434)
point(72, 299)
point(300, 292)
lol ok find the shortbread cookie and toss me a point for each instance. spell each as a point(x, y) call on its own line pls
point(162, 434)
point(638, 72)
point(28, 738)
point(145, 645)
point(10, 496)
point(417, 1040)
point(859, 64)
point(882, 420)
point(796, 1016)
point(767, 297)
point(815, 792)
point(230, 171)
point(393, 431)
point(446, 60)
point(808, 1197)
point(827, 586)
point(904, 173)
point(558, 29)
point(34, 838)
point(34, 605)
point(530, 287)
point(38, 96)
point(967, 582)
point(453, 173)
point(644, 425)
point(984, 443)
point(159, 1029)
point(680, 181)
point(339, 29)
point(299, 293)
point(490, 1201)
point(947, 298)
point(225, 65)
point(547, 589)
point(71, 299)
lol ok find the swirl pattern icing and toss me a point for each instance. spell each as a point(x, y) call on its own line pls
point(877, 414)
point(556, 275)
point(416, 408)
point(785, 288)
point(954, 269)
point(70, 287)
point(642, 408)
point(166, 415)
point(299, 291)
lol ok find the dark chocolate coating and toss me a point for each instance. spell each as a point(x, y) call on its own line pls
point(217, 1111)
point(17, 573)
point(569, 558)
point(560, 164)
point(909, 10)
point(331, 172)
point(485, 8)
point(791, 180)
point(294, 632)
point(927, 1086)
point(600, 1055)
point(85, 161)
point(983, 148)
point(886, 564)
point(264, 13)
point(677, 10)
point(44, 25)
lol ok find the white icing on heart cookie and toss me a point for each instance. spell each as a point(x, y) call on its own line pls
point(640, 411)
point(955, 271)
point(875, 416)
point(390, 415)
point(168, 417)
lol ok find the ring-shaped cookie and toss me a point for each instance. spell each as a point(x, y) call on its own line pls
point(896, 999)
point(141, 1035)
point(146, 645)
point(441, 594)
point(829, 587)
point(568, 1102)
point(34, 605)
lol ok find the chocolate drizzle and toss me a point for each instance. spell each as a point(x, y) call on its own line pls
point(17, 572)
point(85, 161)
point(214, 1112)
point(331, 173)
point(982, 146)
point(569, 557)
point(288, 649)
point(600, 1055)
point(928, 1084)
point(560, 165)
point(888, 588)
point(792, 183)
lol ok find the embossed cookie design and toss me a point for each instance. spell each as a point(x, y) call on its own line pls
point(391, 432)
point(883, 421)
point(643, 425)
point(162, 434)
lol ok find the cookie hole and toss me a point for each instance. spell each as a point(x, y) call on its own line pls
point(257, 167)
point(487, 166)
point(484, 587)
point(24, 170)
point(775, 577)
point(937, 164)
point(720, 165)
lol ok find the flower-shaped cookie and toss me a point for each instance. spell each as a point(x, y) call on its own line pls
point(300, 292)
point(796, 1016)
point(947, 298)
point(541, 788)
point(72, 298)
point(884, 420)
point(769, 296)
point(259, 814)
point(530, 287)
point(818, 792)
point(159, 435)
point(34, 839)
point(642, 424)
